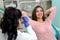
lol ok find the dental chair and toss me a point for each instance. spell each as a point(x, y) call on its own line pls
point(56, 31)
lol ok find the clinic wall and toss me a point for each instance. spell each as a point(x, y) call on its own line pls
point(57, 17)
point(1, 8)
point(1, 4)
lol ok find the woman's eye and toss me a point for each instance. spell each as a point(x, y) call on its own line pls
point(41, 10)
point(37, 11)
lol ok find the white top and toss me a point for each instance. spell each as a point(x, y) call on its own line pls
point(21, 36)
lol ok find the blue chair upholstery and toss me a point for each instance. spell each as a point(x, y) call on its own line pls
point(56, 31)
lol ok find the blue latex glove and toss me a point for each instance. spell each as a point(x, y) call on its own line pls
point(25, 21)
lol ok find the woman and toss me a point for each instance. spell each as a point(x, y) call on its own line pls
point(42, 26)
point(9, 24)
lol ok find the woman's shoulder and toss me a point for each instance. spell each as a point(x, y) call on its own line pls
point(22, 36)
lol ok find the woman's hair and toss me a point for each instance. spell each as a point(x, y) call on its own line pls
point(34, 13)
point(10, 22)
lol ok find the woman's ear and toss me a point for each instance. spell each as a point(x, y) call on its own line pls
point(19, 21)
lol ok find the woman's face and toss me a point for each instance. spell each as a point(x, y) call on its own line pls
point(39, 13)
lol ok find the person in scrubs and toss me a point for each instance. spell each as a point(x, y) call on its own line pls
point(9, 26)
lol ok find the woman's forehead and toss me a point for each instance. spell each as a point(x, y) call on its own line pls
point(39, 8)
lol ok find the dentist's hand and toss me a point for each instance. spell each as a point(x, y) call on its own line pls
point(25, 21)
point(25, 18)
point(24, 13)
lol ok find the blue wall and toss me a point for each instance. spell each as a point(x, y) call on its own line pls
point(57, 17)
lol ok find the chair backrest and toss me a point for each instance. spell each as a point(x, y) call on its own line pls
point(56, 31)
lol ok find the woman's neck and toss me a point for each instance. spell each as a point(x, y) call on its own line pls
point(40, 20)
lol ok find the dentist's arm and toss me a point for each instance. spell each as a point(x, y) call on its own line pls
point(27, 25)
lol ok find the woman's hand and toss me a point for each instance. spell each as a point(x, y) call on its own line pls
point(50, 10)
point(53, 9)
